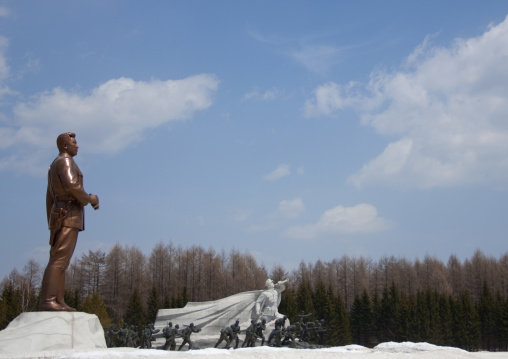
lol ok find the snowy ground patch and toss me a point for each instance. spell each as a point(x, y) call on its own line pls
point(389, 350)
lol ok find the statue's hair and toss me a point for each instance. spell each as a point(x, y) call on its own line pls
point(63, 138)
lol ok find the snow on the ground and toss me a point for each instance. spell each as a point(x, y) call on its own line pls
point(382, 351)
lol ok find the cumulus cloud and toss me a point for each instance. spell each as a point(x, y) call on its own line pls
point(278, 173)
point(291, 208)
point(445, 107)
point(362, 218)
point(109, 118)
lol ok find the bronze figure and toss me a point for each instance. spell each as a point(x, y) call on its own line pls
point(65, 199)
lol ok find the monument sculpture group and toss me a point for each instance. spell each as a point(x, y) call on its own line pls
point(57, 325)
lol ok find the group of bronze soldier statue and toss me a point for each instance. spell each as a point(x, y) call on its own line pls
point(128, 336)
point(309, 334)
point(305, 331)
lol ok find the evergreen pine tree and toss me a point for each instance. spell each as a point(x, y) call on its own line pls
point(403, 319)
point(486, 311)
point(344, 329)
point(288, 305)
point(331, 319)
point(446, 321)
point(388, 317)
point(167, 302)
point(376, 317)
point(94, 305)
point(304, 299)
point(185, 296)
point(467, 329)
point(72, 299)
point(135, 313)
point(432, 307)
point(11, 304)
point(361, 319)
point(319, 300)
point(502, 322)
point(413, 321)
point(422, 317)
point(3, 313)
point(153, 305)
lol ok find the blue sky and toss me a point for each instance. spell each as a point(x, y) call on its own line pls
point(290, 129)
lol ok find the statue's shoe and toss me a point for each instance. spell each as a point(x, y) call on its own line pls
point(66, 307)
point(51, 306)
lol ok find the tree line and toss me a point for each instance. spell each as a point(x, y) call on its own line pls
point(363, 301)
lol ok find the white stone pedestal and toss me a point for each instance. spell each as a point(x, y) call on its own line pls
point(40, 331)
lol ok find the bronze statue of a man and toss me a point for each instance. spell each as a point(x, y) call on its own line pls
point(65, 199)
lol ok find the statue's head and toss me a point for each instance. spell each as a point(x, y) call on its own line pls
point(177, 326)
point(66, 142)
point(170, 324)
point(269, 284)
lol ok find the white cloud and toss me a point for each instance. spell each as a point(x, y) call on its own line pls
point(278, 173)
point(4, 68)
point(362, 218)
point(447, 107)
point(329, 98)
point(268, 95)
point(108, 119)
point(241, 214)
point(291, 208)
point(318, 58)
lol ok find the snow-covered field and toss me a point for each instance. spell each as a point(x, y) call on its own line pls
point(382, 351)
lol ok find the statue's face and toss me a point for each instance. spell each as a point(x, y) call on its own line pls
point(269, 284)
point(71, 146)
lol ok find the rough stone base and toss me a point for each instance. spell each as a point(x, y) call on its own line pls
point(40, 331)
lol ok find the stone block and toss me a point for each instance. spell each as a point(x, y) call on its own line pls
point(42, 331)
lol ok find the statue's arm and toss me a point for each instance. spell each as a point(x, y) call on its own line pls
point(49, 201)
point(69, 175)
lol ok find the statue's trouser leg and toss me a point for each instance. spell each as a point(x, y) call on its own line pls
point(181, 345)
point(53, 282)
point(61, 292)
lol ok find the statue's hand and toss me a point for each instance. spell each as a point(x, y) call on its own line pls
point(94, 201)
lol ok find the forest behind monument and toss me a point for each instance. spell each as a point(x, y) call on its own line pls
point(363, 301)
